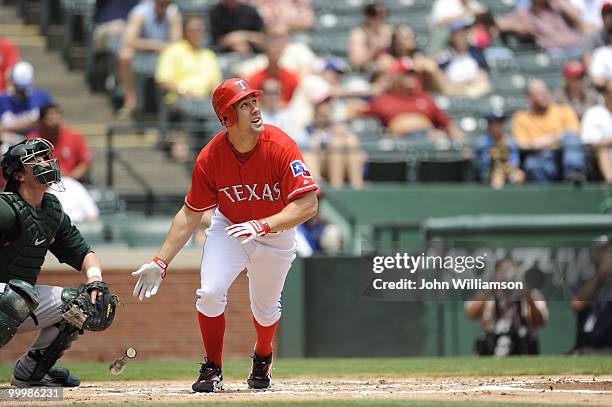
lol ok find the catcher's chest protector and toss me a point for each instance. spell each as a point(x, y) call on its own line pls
point(24, 253)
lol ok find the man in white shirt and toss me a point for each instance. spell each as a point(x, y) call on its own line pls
point(597, 132)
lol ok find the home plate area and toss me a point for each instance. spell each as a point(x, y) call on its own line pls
point(591, 390)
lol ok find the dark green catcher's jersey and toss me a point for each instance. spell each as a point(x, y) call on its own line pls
point(26, 234)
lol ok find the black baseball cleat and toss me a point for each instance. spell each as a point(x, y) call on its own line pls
point(210, 379)
point(261, 372)
point(56, 377)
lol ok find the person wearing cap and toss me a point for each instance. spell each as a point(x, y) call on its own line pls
point(406, 109)
point(597, 132)
point(574, 90)
point(464, 66)
point(543, 130)
point(553, 24)
point(20, 107)
point(599, 38)
point(498, 154)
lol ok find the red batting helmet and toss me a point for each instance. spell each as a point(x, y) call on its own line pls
point(227, 94)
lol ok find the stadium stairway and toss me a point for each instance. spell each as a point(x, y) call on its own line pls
point(92, 114)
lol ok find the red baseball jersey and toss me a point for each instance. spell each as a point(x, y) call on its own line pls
point(273, 175)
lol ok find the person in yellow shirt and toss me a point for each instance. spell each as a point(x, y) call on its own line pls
point(185, 69)
point(545, 129)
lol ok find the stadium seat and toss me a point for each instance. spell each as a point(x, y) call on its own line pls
point(194, 7)
point(539, 63)
point(94, 232)
point(450, 170)
point(331, 43)
point(141, 231)
point(508, 84)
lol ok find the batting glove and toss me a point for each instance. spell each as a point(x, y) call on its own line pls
point(249, 230)
point(150, 276)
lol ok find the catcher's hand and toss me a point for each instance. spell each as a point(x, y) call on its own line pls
point(150, 276)
point(85, 313)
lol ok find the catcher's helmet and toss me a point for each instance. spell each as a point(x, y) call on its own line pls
point(27, 153)
point(227, 94)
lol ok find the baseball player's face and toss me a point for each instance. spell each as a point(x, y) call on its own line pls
point(249, 116)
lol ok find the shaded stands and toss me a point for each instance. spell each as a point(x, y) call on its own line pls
point(512, 63)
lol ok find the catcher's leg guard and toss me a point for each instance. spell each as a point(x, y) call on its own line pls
point(43, 360)
point(18, 300)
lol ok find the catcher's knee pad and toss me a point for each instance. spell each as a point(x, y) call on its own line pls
point(266, 316)
point(18, 300)
point(211, 301)
point(46, 358)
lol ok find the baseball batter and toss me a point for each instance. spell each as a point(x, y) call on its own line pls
point(255, 177)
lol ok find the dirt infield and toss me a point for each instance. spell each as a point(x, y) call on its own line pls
point(562, 390)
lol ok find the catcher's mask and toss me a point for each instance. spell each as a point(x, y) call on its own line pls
point(36, 153)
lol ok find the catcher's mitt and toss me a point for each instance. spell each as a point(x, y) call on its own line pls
point(81, 313)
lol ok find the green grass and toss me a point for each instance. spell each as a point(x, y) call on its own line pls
point(353, 367)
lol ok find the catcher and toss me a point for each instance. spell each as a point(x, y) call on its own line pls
point(31, 223)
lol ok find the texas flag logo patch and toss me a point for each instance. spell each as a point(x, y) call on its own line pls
point(299, 168)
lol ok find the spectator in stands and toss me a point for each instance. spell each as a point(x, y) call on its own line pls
point(336, 148)
point(296, 56)
point(9, 55)
point(593, 305)
point(76, 201)
point(406, 109)
point(20, 107)
point(544, 128)
point(274, 45)
point(444, 12)
point(71, 150)
point(574, 91)
point(367, 41)
point(498, 155)
point(185, 69)
point(509, 321)
point(236, 27)
point(597, 132)
point(327, 80)
point(275, 113)
point(590, 14)
point(403, 44)
point(600, 70)
point(151, 26)
point(464, 65)
point(599, 38)
point(553, 24)
point(109, 18)
point(297, 14)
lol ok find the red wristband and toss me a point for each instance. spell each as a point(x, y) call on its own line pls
point(265, 225)
point(162, 264)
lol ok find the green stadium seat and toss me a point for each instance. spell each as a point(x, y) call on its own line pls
point(509, 84)
point(141, 231)
point(194, 7)
point(94, 232)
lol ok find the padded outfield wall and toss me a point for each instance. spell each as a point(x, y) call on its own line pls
point(324, 313)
